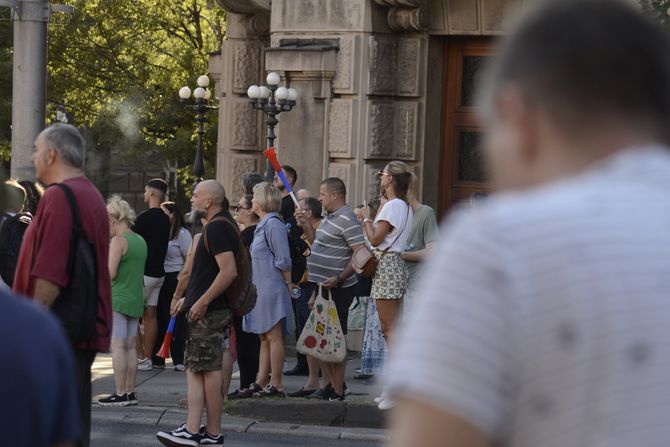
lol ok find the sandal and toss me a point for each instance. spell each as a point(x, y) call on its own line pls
point(270, 391)
point(249, 392)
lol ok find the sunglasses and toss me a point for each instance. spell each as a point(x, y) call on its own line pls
point(237, 208)
point(380, 173)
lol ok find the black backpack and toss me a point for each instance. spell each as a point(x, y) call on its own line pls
point(77, 304)
point(11, 236)
point(299, 250)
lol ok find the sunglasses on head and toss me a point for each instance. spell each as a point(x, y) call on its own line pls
point(380, 173)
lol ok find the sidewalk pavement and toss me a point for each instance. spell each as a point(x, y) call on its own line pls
point(162, 390)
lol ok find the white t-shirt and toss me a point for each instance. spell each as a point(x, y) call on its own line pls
point(399, 214)
point(544, 318)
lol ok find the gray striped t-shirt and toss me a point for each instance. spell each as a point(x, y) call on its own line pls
point(331, 250)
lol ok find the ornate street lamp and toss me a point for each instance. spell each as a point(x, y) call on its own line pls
point(272, 100)
point(201, 95)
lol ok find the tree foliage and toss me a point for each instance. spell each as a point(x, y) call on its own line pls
point(658, 9)
point(117, 66)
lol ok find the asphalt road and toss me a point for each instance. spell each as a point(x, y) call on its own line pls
point(108, 433)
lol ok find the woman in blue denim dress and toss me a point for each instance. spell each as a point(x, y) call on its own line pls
point(273, 314)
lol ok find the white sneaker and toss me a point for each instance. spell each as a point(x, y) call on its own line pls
point(379, 399)
point(386, 404)
point(179, 367)
point(236, 375)
point(144, 365)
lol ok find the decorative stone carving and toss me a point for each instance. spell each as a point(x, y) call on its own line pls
point(404, 130)
point(380, 130)
point(403, 19)
point(345, 64)
point(259, 24)
point(395, 65)
point(239, 166)
point(339, 127)
point(409, 63)
point(383, 64)
point(246, 66)
point(406, 15)
point(372, 180)
point(244, 126)
point(341, 171)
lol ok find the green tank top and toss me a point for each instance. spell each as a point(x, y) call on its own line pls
point(128, 286)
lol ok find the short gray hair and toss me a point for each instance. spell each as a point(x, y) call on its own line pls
point(67, 141)
point(267, 197)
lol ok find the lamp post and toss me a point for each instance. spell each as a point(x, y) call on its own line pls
point(201, 95)
point(272, 100)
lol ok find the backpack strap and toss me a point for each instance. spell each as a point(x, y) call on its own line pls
point(204, 231)
point(76, 219)
point(266, 236)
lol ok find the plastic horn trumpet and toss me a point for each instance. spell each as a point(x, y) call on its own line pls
point(271, 155)
point(164, 351)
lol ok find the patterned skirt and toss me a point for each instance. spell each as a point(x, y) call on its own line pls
point(391, 278)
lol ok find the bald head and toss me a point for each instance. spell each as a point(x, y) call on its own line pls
point(208, 197)
point(214, 190)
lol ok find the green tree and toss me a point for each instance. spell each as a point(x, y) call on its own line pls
point(117, 66)
point(658, 9)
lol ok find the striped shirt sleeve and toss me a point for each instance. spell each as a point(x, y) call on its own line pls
point(454, 351)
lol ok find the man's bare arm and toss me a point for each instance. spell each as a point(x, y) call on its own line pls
point(417, 424)
point(46, 292)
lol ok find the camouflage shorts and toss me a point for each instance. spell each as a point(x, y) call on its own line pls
point(204, 344)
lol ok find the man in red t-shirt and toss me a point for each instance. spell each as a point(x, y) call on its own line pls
point(41, 271)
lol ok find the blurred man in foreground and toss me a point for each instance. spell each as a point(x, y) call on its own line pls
point(545, 318)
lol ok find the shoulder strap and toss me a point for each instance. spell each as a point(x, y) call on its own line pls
point(204, 231)
point(266, 236)
point(218, 219)
point(76, 220)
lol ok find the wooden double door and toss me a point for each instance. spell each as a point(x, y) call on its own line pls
point(463, 174)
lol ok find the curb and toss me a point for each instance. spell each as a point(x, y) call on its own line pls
point(301, 411)
point(171, 417)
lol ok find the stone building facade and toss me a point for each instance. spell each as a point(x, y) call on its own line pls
point(377, 80)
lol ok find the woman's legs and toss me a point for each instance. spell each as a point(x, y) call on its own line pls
point(248, 353)
point(277, 355)
point(129, 352)
point(120, 364)
point(263, 376)
point(388, 310)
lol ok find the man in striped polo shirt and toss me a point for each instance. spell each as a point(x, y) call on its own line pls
point(329, 265)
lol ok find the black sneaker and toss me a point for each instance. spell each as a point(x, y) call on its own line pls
point(333, 397)
point(115, 400)
point(132, 399)
point(180, 436)
point(321, 393)
point(208, 439)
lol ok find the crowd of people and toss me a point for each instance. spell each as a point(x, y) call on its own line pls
point(541, 319)
point(156, 269)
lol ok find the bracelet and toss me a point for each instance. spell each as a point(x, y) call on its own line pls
point(366, 220)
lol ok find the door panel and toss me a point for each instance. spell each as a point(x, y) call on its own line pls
point(462, 171)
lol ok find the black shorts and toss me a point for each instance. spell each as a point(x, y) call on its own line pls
point(343, 297)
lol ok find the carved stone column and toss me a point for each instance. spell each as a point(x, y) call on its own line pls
point(240, 64)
